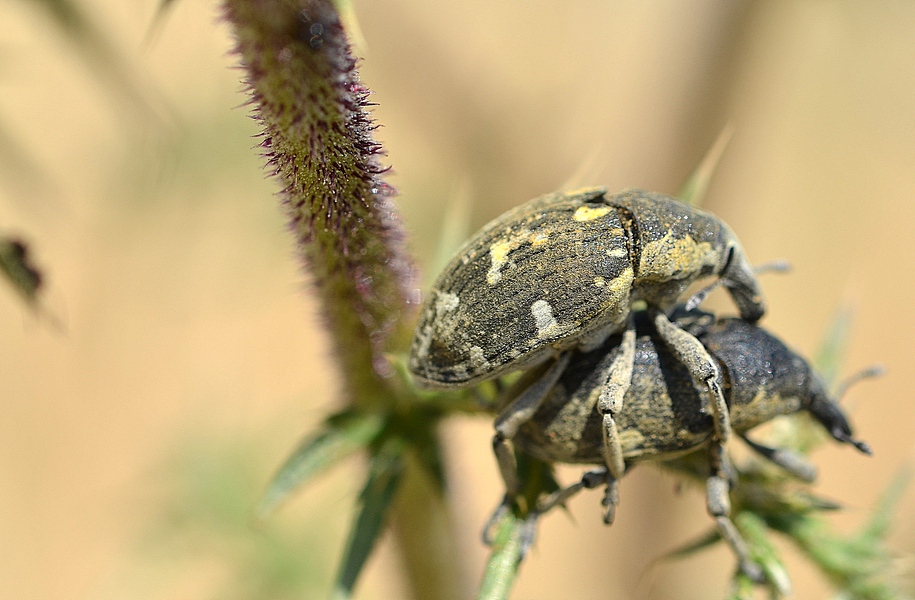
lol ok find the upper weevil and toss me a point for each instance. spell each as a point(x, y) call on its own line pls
point(561, 272)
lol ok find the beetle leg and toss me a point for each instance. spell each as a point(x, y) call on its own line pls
point(790, 461)
point(775, 266)
point(525, 405)
point(589, 481)
point(701, 366)
point(619, 378)
point(515, 415)
point(508, 468)
point(528, 528)
point(494, 519)
point(611, 499)
point(700, 296)
point(718, 503)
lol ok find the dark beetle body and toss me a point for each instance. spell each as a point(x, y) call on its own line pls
point(664, 413)
point(561, 272)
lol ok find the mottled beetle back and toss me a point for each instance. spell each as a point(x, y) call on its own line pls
point(536, 279)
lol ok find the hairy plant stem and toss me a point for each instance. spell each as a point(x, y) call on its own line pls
point(305, 91)
point(317, 138)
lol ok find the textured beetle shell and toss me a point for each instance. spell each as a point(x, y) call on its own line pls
point(664, 414)
point(556, 273)
point(537, 278)
point(674, 245)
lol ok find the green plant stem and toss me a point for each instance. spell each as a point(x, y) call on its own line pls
point(422, 525)
point(504, 560)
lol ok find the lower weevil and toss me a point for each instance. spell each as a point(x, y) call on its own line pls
point(665, 416)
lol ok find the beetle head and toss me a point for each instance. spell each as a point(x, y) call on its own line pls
point(830, 415)
point(740, 278)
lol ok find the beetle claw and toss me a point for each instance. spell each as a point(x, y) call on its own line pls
point(493, 521)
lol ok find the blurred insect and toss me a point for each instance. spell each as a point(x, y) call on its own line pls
point(664, 414)
point(16, 264)
point(18, 267)
point(561, 273)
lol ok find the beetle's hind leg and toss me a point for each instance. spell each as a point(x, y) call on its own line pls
point(590, 480)
point(701, 366)
point(718, 503)
point(507, 424)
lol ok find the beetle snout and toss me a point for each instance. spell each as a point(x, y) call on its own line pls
point(830, 415)
point(740, 280)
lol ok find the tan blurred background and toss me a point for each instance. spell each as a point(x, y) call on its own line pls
point(190, 360)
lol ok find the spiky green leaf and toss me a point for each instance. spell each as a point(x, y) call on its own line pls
point(693, 191)
point(706, 540)
point(878, 525)
point(753, 528)
point(375, 501)
point(828, 358)
point(343, 435)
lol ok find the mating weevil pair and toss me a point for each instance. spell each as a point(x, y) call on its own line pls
point(554, 279)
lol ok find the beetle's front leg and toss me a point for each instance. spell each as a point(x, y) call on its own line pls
point(701, 366)
point(610, 403)
point(775, 266)
point(517, 414)
point(507, 424)
point(718, 503)
point(590, 480)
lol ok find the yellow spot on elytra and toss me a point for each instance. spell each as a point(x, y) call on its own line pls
point(599, 281)
point(589, 213)
point(616, 297)
point(498, 253)
point(538, 239)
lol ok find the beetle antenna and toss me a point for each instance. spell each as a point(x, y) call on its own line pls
point(776, 266)
point(700, 296)
point(861, 446)
point(866, 373)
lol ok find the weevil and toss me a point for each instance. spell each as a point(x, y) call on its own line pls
point(665, 415)
point(561, 273)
